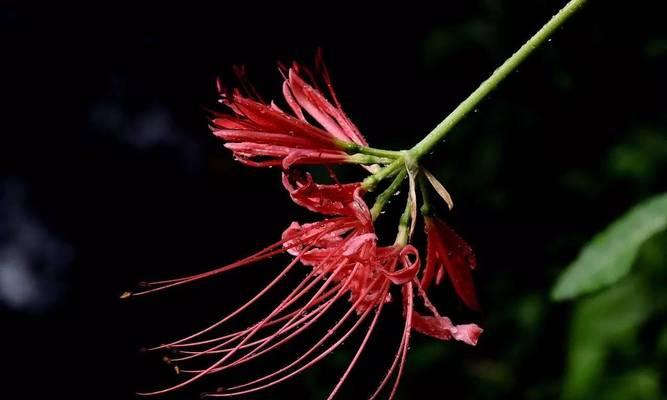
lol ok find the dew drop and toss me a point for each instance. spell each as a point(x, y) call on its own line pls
point(397, 193)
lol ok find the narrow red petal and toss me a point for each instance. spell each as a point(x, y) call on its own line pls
point(442, 328)
point(459, 260)
point(333, 199)
point(431, 255)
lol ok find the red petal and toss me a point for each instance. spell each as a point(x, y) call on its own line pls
point(331, 118)
point(237, 135)
point(333, 199)
point(442, 328)
point(459, 260)
point(409, 272)
point(302, 157)
point(275, 121)
point(431, 255)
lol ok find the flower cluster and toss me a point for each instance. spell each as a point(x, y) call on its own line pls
point(342, 251)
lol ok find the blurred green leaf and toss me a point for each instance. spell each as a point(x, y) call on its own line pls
point(599, 322)
point(661, 346)
point(641, 156)
point(609, 256)
point(641, 384)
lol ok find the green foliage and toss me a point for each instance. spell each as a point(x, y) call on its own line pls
point(610, 255)
point(613, 351)
point(599, 322)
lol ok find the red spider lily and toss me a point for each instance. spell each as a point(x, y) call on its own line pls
point(448, 254)
point(263, 135)
point(345, 260)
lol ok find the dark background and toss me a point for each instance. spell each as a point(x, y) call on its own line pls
point(109, 176)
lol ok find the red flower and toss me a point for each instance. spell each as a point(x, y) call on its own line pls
point(345, 260)
point(448, 254)
point(341, 252)
point(263, 135)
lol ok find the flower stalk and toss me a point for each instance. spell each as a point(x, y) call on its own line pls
point(404, 225)
point(472, 101)
point(384, 197)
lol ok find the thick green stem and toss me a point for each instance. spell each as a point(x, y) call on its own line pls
point(469, 104)
point(353, 148)
point(379, 152)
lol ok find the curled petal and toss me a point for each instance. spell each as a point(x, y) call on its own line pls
point(409, 270)
point(442, 328)
point(468, 333)
point(333, 199)
point(328, 235)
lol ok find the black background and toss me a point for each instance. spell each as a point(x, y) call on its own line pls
point(105, 152)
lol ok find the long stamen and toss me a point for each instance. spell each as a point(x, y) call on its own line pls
point(286, 328)
point(321, 234)
point(243, 331)
point(254, 352)
point(406, 339)
point(402, 348)
point(360, 350)
point(220, 349)
point(229, 316)
point(323, 339)
point(305, 366)
point(268, 252)
point(326, 283)
point(247, 337)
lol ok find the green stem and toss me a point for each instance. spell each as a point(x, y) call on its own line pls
point(368, 159)
point(379, 152)
point(353, 148)
point(426, 198)
point(384, 197)
point(371, 181)
point(403, 226)
point(469, 104)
